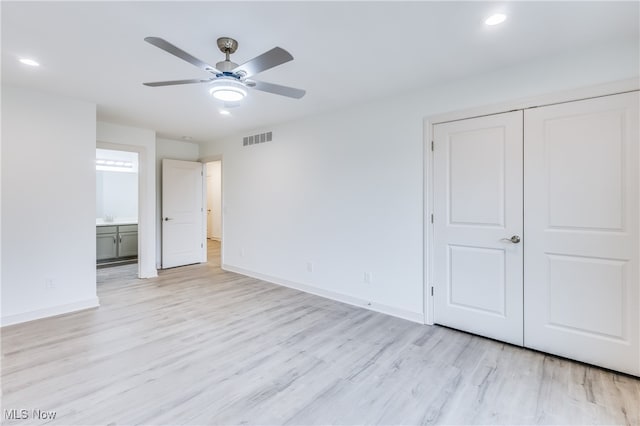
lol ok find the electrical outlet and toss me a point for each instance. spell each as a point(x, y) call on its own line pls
point(309, 266)
point(49, 283)
point(367, 278)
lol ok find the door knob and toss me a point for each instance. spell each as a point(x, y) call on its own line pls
point(167, 219)
point(515, 239)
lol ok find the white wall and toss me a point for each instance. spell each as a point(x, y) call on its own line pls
point(143, 141)
point(48, 205)
point(344, 190)
point(174, 150)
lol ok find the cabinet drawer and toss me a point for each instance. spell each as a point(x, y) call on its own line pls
point(128, 228)
point(106, 229)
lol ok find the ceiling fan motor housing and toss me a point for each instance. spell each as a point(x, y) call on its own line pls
point(226, 66)
point(227, 45)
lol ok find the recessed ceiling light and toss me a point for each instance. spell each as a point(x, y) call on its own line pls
point(29, 62)
point(225, 112)
point(496, 19)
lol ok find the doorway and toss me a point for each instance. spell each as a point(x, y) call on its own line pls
point(117, 177)
point(214, 208)
point(214, 200)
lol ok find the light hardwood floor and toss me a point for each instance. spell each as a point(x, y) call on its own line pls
point(202, 346)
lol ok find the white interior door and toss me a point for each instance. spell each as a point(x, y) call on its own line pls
point(214, 200)
point(478, 205)
point(183, 235)
point(581, 203)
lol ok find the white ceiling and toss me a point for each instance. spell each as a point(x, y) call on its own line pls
point(344, 53)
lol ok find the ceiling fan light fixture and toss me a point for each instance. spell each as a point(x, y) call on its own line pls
point(228, 81)
point(228, 90)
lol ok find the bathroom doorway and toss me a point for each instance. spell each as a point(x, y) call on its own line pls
point(116, 207)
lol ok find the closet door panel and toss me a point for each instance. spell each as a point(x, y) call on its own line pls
point(581, 195)
point(477, 210)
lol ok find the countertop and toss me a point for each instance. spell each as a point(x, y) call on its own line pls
point(117, 221)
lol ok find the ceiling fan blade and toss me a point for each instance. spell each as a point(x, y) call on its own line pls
point(277, 89)
point(175, 82)
point(176, 51)
point(267, 60)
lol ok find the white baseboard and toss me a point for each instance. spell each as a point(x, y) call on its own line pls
point(339, 297)
point(49, 312)
point(152, 274)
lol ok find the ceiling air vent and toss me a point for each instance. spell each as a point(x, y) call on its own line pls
point(256, 139)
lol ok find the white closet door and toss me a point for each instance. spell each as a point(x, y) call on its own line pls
point(477, 209)
point(581, 227)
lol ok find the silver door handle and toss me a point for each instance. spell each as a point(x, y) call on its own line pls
point(114, 239)
point(515, 239)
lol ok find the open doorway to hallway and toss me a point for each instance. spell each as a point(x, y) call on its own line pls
point(214, 208)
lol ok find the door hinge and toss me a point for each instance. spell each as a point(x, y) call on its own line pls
point(432, 290)
point(432, 145)
point(431, 217)
point(201, 173)
point(201, 245)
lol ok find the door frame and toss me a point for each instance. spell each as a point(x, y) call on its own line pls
point(146, 261)
point(607, 89)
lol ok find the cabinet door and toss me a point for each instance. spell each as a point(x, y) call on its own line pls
point(581, 224)
point(127, 244)
point(106, 246)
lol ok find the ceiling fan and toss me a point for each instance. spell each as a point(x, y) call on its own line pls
point(229, 81)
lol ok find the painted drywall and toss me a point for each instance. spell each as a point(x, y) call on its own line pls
point(126, 138)
point(174, 150)
point(48, 205)
point(338, 196)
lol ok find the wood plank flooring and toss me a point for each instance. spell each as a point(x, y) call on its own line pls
point(198, 346)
